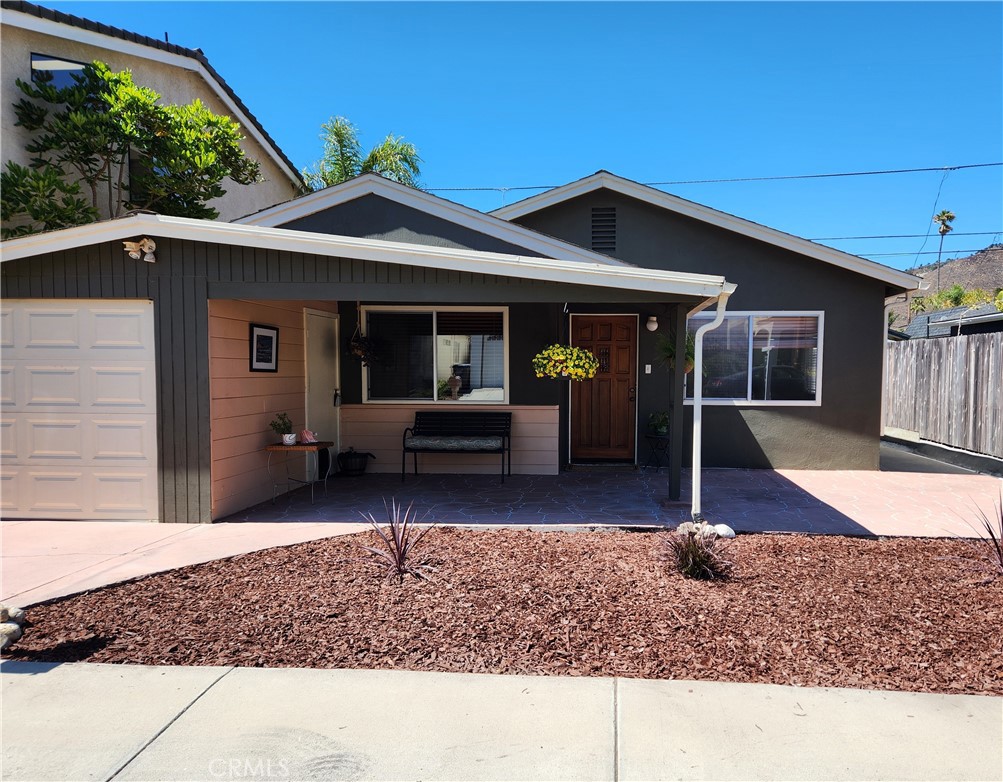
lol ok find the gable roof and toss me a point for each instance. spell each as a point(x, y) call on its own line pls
point(571, 272)
point(627, 187)
point(61, 25)
point(374, 184)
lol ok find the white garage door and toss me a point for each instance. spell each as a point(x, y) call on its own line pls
point(79, 413)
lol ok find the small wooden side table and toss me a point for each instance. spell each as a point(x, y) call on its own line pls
point(314, 477)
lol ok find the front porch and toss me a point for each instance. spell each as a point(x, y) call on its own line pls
point(908, 497)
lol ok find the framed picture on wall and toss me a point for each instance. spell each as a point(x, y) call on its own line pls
point(264, 348)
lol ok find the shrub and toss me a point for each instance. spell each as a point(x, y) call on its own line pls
point(990, 544)
point(698, 552)
point(395, 552)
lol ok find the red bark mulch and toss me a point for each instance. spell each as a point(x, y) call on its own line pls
point(900, 614)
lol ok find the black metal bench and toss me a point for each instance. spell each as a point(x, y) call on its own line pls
point(458, 432)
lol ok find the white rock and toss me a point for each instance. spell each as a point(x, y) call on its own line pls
point(701, 528)
point(724, 531)
point(16, 615)
point(9, 633)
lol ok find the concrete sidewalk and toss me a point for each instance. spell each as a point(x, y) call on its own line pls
point(47, 559)
point(87, 721)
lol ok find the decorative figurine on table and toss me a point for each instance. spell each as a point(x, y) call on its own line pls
point(306, 436)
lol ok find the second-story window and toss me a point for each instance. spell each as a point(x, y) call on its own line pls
point(58, 71)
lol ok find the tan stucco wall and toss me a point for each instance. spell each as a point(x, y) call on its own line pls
point(173, 83)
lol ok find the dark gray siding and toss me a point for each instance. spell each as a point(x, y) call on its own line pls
point(841, 434)
point(187, 274)
point(181, 325)
point(374, 217)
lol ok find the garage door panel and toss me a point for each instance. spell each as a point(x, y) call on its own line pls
point(8, 386)
point(6, 329)
point(10, 485)
point(130, 387)
point(52, 386)
point(49, 490)
point(121, 331)
point(78, 435)
point(70, 329)
point(9, 435)
point(53, 439)
point(120, 440)
point(52, 328)
point(127, 493)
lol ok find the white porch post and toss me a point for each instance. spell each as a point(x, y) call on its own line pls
point(722, 304)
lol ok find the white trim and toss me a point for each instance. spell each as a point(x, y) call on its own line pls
point(419, 308)
point(376, 185)
point(118, 45)
point(604, 179)
point(637, 356)
point(749, 402)
point(521, 267)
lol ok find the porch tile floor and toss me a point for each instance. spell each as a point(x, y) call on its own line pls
point(914, 500)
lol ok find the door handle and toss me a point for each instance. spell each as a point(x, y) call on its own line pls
point(632, 394)
point(337, 398)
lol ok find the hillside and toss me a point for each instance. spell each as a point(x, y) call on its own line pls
point(983, 269)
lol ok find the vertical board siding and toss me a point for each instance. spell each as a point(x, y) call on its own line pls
point(379, 429)
point(949, 391)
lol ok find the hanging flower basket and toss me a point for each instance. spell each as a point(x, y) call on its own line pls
point(559, 361)
point(363, 348)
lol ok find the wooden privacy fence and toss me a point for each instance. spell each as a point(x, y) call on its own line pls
point(948, 390)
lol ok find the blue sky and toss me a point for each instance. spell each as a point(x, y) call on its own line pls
point(510, 95)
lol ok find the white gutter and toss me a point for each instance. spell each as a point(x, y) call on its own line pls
point(722, 305)
point(594, 275)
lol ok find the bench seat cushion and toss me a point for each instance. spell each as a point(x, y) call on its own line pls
point(454, 443)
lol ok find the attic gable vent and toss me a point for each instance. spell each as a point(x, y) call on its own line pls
point(604, 229)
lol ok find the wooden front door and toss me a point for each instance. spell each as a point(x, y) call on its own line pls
point(603, 409)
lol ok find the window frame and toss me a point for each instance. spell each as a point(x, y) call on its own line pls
point(419, 309)
point(749, 315)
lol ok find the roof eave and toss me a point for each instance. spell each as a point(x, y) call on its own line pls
point(499, 264)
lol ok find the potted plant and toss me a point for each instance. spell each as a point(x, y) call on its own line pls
point(666, 351)
point(353, 463)
point(283, 426)
point(658, 422)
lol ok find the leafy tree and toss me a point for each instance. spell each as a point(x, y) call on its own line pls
point(342, 157)
point(40, 200)
point(85, 136)
point(943, 218)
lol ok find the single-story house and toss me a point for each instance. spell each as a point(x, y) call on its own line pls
point(130, 389)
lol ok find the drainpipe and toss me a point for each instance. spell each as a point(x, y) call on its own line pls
point(722, 305)
point(884, 365)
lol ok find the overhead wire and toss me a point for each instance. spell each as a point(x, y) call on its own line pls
point(945, 169)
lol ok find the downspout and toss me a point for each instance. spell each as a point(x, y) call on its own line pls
point(884, 365)
point(722, 305)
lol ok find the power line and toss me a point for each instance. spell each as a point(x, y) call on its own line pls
point(927, 252)
point(945, 169)
point(903, 236)
point(826, 176)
